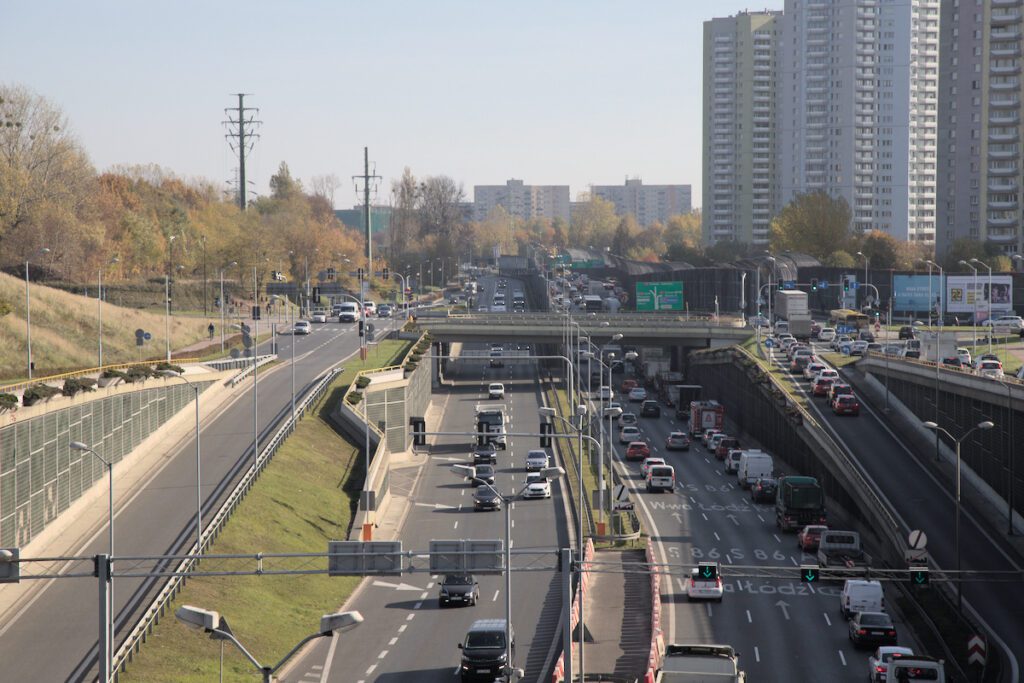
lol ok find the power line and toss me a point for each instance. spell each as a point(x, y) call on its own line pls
point(241, 140)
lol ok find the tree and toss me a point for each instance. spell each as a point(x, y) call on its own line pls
point(324, 186)
point(683, 238)
point(559, 230)
point(282, 185)
point(839, 259)
point(625, 232)
point(440, 209)
point(882, 249)
point(593, 224)
point(726, 250)
point(813, 223)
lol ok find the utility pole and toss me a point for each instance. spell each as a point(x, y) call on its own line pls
point(363, 288)
point(241, 140)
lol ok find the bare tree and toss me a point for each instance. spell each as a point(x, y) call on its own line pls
point(325, 186)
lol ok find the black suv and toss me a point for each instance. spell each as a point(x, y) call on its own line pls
point(459, 588)
point(907, 332)
point(763, 491)
point(650, 409)
point(485, 455)
point(483, 651)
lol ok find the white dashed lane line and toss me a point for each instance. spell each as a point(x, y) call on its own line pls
point(827, 620)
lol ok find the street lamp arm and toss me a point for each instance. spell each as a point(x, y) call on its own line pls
point(291, 653)
point(218, 634)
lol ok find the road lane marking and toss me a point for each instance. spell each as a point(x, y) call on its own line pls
point(757, 654)
point(371, 669)
point(708, 605)
point(456, 523)
point(417, 605)
point(777, 539)
point(842, 657)
point(383, 654)
point(717, 537)
point(750, 619)
point(410, 617)
point(707, 461)
point(760, 518)
point(401, 629)
point(793, 560)
point(423, 595)
point(495, 598)
point(393, 640)
point(682, 586)
point(827, 620)
point(704, 516)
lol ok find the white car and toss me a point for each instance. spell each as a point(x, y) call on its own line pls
point(646, 465)
point(629, 434)
point(302, 327)
point(858, 348)
point(319, 317)
point(990, 368)
point(827, 334)
point(827, 373)
point(627, 420)
point(637, 394)
point(700, 588)
point(964, 355)
point(1009, 323)
point(536, 460)
point(813, 368)
point(370, 307)
point(878, 662)
point(495, 390)
point(605, 393)
point(536, 486)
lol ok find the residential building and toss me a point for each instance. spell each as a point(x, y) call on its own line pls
point(858, 110)
point(647, 203)
point(739, 141)
point(979, 155)
point(522, 201)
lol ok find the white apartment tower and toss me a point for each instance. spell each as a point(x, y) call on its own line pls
point(857, 104)
point(522, 201)
point(647, 203)
point(739, 188)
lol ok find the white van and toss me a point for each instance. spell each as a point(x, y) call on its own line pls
point(754, 465)
point(661, 478)
point(916, 668)
point(860, 595)
point(348, 312)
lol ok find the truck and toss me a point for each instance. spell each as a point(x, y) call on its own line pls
point(799, 501)
point(841, 550)
point(800, 325)
point(705, 415)
point(790, 302)
point(916, 668)
point(490, 417)
point(700, 664)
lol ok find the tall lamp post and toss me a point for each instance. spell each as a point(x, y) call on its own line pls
point(991, 328)
point(199, 478)
point(938, 332)
point(28, 310)
point(865, 257)
point(974, 306)
point(987, 424)
point(223, 303)
point(99, 307)
point(107, 656)
point(771, 273)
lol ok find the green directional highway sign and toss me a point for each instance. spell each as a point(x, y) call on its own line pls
point(808, 574)
point(659, 296)
point(708, 572)
point(919, 576)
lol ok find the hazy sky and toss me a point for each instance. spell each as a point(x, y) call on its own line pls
point(548, 92)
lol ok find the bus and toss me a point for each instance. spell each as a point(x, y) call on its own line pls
point(592, 302)
point(845, 316)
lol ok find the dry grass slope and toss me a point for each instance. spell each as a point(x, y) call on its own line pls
point(65, 331)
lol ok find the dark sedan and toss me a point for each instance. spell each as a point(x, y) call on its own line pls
point(485, 455)
point(486, 499)
point(462, 589)
point(763, 491)
point(872, 628)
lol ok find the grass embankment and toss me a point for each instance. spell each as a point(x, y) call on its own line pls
point(571, 458)
point(780, 375)
point(304, 498)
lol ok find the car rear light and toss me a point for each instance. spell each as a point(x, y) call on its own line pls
point(891, 633)
point(879, 669)
point(862, 632)
point(718, 582)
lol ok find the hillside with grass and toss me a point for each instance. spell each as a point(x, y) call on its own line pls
point(65, 331)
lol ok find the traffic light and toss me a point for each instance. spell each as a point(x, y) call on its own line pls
point(919, 576)
point(361, 332)
point(782, 285)
point(808, 574)
point(846, 284)
point(316, 295)
point(331, 273)
point(481, 433)
point(359, 272)
point(707, 571)
point(255, 312)
point(546, 428)
point(814, 284)
point(386, 274)
point(419, 426)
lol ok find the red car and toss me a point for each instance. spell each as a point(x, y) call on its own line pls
point(846, 404)
point(809, 537)
point(628, 384)
point(637, 450)
point(821, 386)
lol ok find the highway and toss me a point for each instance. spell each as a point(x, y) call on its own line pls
point(922, 502)
point(406, 635)
point(783, 629)
point(52, 635)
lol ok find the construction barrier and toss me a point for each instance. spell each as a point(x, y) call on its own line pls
point(657, 639)
point(558, 675)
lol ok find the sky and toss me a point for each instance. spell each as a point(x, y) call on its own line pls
point(552, 93)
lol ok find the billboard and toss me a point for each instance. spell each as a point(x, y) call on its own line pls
point(659, 296)
point(911, 292)
point(961, 296)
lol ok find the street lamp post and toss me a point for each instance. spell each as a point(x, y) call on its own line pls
point(862, 254)
point(987, 424)
point(938, 346)
point(211, 622)
point(223, 303)
point(28, 310)
point(106, 656)
point(771, 273)
point(974, 306)
point(199, 478)
point(991, 328)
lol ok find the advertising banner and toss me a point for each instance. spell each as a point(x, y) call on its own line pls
point(961, 296)
point(659, 296)
point(911, 292)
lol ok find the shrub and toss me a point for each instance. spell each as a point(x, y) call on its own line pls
point(110, 374)
point(138, 373)
point(416, 357)
point(8, 402)
point(73, 385)
point(5, 307)
point(38, 392)
point(354, 397)
point(410, 366)
point(169, 367)
point(362, 381)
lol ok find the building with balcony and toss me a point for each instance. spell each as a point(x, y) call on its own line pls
point(646, 203)
point(522, 201)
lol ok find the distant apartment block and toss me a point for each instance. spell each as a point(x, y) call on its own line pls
point(739, 141)
point(647, 203)
point(979, 153)
point(522, 201)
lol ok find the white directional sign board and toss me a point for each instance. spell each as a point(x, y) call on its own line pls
point(467, 556)
point(364, 558)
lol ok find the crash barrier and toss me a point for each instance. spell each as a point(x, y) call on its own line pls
point(657, 639)
point(250, 366)
point(558, 676)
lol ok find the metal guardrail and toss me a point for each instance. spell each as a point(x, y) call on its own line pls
point(19, 386)
point(586, 320)
point(151, 617)
point(952, 369)
point(249, 366)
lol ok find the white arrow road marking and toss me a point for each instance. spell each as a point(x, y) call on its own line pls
point(436, 506)
point(397, 586)
point(783, 606)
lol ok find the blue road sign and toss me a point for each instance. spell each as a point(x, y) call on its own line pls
point(789, 284)
point(822, 284)
point(147, 336)
point(769, 343)
point(856, 285)
point(844, 329)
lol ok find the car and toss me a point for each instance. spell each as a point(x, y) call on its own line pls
point(809, 537)
point(628, 420)
point(637, 450)
point(629, 434)
point(987, 356)
point(318, 317)
point(485, 498)
point(302, 327)
point(846, 404)
point(1008, 323)
point(815, 329)
point(865, 336)
point(706, 436)
point(485, 652)
point(384, 311)
point(732, 461)
point(801, 361)
point(874, 347)
point(841, 339)
point(536, 486)
point(370, 307)
point(537, 460)
point(660, 478)
point(838, 388)
point(829, 373)
point(787, 342)
point(953, 362)
point(725, 445)
point(700, 588)
point(858, 348)
point(462, 589)
point(605, 394)
point(878, 663)
point(628, 385)
point(759, 321)
point(872, 628)
point(645, 466)
point(964, 355)
point(827, 334)
point(637, 394)
point(714, 440)
point(677, 441)
point(813, 368)
point(763, 490)
point(495, 356)
point(650, 409)
point(907, 332)
point(495, 390)
point(990, 368)
point(821, 386)
point(486, 454)
point(484, 473)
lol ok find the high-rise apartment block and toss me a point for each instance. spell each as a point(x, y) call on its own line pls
point(522, 201)
point(739, 141)
point(979, 160)
point(646, 203)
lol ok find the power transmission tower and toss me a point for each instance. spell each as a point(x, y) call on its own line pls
point(366, 179)
point(240, 139)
